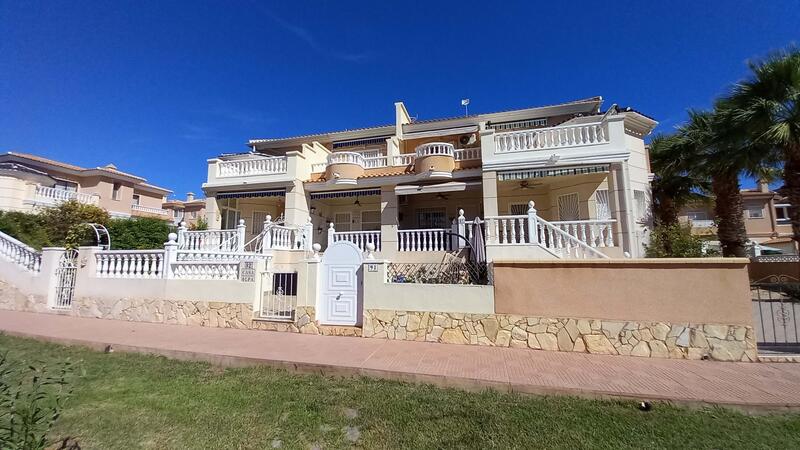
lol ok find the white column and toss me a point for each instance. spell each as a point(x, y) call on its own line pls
point(50, 259)
point(331, 232)
point(170, 255)
point(533, 224)
point(296, 204)
point(212, 214)
point(389, 221)
point(266, 242)
point(240, 235)
point(624, 213)
point(489, 180)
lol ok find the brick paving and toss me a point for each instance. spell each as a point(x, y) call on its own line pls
point(746, 385)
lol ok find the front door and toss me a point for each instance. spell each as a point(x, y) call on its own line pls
point(340, 286)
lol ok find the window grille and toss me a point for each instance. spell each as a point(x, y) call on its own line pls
point(568, 207)
point(602, 204)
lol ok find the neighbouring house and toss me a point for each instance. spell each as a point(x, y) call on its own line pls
point(188, 211)
point(766, 220)
point(29, 182)
point(406, 186)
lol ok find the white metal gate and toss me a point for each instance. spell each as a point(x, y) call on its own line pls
point(65, 279)
point(340, 285)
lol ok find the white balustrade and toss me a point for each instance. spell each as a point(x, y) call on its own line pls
point(554, 137)
point(19, 253)
point(149, 210)
point(346, 158)
point(252, 166)
point(595, 233)
point(284, 237)
point(359, 238)
point(375, 162)
point(435, 149)
point(216, 240)
point(424, 240)
point(568, 239)
point(318, 167)
point(404, 159)
point(205, 270)
point(130, 263)
point(51, 195)
point(464, 154)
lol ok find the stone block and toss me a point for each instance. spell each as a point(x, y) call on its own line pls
point(490, 326)
point(454, 336)
point(547, 341)
point(716, 331)
point(565, 343)
point(503, 338)
point(658, 349)
point(519, 334)
point(599, 344)
point(641, 349)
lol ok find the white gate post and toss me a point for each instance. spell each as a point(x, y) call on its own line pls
point(533, 225)
point(461, 230)
point(170, 255)
point(50, 260)
point(308, 235)
point(240, 236)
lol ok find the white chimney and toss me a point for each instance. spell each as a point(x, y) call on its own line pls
point(189, 196)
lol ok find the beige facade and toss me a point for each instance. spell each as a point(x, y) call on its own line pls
point(28, 182)
point(574, 162)
point(189, 211)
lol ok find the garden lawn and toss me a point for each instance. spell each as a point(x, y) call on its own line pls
point(129, 401)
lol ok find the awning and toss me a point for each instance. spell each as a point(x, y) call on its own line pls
point(344, 194)
point(437, 133)
point(526, 174)
point(452, 186)
point(252, 194)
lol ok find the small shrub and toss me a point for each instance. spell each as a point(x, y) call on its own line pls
point(200, 225)
point(31, 401)
point(26, 227)
point(675, 241)
point(63, 224)
point(138, 234)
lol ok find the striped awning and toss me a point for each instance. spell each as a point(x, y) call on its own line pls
point(344, 194)
point(526, 174)
point(252, 194)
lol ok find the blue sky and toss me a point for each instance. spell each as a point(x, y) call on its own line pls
point(157, 87)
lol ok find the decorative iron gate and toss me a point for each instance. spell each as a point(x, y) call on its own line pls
point(65, 279)
point(776, 311)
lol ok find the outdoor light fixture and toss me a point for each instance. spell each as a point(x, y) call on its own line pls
point(313, 209)
point(357, 203)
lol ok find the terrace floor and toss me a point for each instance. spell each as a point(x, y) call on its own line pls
point(745, 385)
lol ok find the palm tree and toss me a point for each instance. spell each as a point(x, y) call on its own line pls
point(675, 185)
point(722, 152)
point(768, 105)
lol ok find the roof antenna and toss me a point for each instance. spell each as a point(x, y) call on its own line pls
point(465, 104)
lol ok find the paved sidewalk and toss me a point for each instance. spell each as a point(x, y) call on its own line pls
point(748, 385)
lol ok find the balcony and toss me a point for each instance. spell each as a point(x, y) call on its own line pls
point(347, 167)
point(139, 210)
point(252, 167)
point(52, 196)
point(553, 137)
point(435, 160)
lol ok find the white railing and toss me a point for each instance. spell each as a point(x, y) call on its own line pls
point(50, 195)
point(252, 166)
point(554, 137)
point(346, 158)
point(149, 210)
point(596, 233)
point(205, 270)
point(704, 223)
point(359, 238)
point(318, 167)
point(215, 240)
point(280, 237)
point(463, 154)
point(404, 159)
point(130, 263)
point(19, 253)
point(572, 239)
point(424, 240)
point(375, 162)
point(435, 149)
point(206, 256)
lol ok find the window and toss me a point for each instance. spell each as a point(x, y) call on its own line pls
point(432, 218)
point(258, 220)
point(640, 201)
point(602, 205)
point(175, 213)
point(782, 214)
point(755, 212)
point(697, 215)
point(115, 191)
point(136, 199)
point(194, 214)
point(370, 220)
point(518, 209)
point(568, 208)
point(341, 221)
point(229, 213)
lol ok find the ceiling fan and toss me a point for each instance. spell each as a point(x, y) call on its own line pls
point(525, 185)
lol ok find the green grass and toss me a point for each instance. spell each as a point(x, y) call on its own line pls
point(135, 401)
